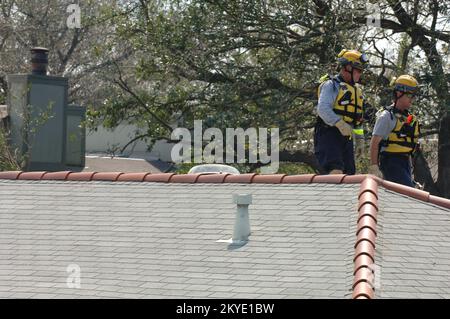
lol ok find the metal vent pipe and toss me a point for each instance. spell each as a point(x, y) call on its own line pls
point(242, 222)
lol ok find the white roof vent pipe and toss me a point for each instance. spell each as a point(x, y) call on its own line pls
point(242, 223)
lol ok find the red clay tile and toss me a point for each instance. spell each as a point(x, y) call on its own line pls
point(363, 275)
point(242, 178)
point(366, 222)
point(80, 176)
point(269, 179)
point(298, 179)
point(368, 198)
point(362, 261)
point(212, 178)
point(365, 248)
point(161, 178)
point(184, 178)
point(106, 176)
point(132, 177)
point(367, 209)
point(369, 184)
point(328, 179)
point(376, 178)
point(405, 190)
point(31, 175)
point(366, 234)
point(353, 179)
point(363, 289)
point(56, 176)
point(437, 201)
point(10, 174)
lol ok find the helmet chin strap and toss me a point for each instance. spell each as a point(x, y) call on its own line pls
point(396, 98)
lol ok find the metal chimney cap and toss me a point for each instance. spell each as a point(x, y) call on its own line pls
point(39, 61)
point(242, 199)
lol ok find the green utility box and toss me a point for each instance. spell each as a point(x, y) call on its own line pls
point(38, 107)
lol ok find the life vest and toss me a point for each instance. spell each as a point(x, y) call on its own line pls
point(349, 102)
point(404, 137)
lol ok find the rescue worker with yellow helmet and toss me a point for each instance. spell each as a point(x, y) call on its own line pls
point(340, 110)
point(395, 135)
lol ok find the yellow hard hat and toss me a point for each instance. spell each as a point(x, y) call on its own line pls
point(354, 58)
point(406, 83)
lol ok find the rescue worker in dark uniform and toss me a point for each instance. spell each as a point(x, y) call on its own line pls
point(395, 135)
point(340, 110)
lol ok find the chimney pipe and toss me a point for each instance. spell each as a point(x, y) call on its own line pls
point(242, 223)
point(39, 61)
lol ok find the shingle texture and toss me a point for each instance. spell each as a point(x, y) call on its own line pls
point(413, 248)
point(162, 240)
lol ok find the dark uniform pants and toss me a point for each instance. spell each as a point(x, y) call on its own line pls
point(333, 150)
point(396, 168)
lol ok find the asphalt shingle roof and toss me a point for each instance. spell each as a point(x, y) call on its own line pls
point(160, 240)
point(413, 248)
point(165, 236)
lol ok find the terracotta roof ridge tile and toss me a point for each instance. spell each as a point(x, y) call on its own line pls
point(10, 174)
point(31, 175)
point(110, 176)
point(230, 178)
point(132, 177)
point(406, 190)
point(366, 233)
point(159, 177)
point(329, 179)
point(62, 175)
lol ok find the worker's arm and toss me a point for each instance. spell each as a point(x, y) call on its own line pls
point(383, 126)
point(374, 147)
point(328, 93)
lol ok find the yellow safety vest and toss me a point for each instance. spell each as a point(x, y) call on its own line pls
point(404, 137)
point(349, 103)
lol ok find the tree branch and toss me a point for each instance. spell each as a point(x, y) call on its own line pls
point(123, 85)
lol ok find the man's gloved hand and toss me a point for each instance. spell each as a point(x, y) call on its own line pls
point(375, 170)
point(344, 128)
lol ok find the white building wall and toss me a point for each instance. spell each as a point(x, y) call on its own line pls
point(112, 140)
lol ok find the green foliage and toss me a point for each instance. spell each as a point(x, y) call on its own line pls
point(182, 168)
point(9, 159)
point(294, 169)
point(362, 163)
point(229, 63)
point(255, 64)
point(18, 159)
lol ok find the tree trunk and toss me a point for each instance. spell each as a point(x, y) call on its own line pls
point(422, 174)
point(443, 182)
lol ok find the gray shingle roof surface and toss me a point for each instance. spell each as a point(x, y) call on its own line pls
point(157, 240)
point(413, 248)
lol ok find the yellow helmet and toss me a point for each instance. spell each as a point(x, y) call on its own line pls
point(406, 83)
point(355, 58)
